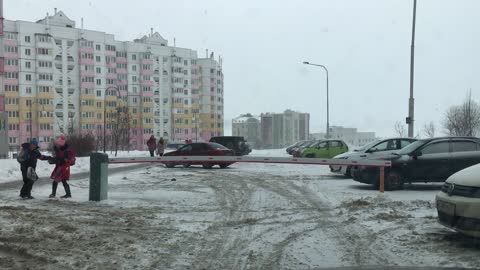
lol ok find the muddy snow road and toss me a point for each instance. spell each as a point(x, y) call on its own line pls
point(249, 216)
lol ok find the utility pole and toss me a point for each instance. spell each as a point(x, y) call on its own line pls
point(411, 101)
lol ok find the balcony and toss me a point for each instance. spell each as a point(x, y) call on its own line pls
point(11, 82)
point(146, 94)
point(121, 82)
point(121, 60)
point(196, 86)
point(146, 72)
point(10, 42)
point(87, 73)
point(87, 62)
point(110, 53)
point(146, 83)
point(10, 55)
point(122, 71)
point(111, 76)
point(86, 50)
point(195, 76)
point(195, 67)
point(112, 65)
point(11, 68)
point(87, 85)
point(147, 61)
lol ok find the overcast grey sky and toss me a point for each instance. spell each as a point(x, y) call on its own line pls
point(364, 43)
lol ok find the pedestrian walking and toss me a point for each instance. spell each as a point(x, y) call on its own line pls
point(152, 145)
point(160, 147)
point(63, 158)
point(27, 158)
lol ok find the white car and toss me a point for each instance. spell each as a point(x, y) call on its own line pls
point(458, 203)
point(370, 150)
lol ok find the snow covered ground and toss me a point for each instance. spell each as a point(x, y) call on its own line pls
point(249, 216)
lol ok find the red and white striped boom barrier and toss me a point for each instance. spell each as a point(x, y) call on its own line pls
point(249, 159)
point(99, 163)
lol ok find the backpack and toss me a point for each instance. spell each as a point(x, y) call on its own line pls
point(22, 156)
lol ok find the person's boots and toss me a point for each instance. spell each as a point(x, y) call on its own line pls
point(54, 189)
point(67, 190)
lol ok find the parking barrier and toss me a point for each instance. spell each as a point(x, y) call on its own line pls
point(99, 161)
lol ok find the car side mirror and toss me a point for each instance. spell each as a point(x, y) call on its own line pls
point(371, 150)
point(417, 154)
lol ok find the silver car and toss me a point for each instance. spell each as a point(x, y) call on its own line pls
point(370, 150)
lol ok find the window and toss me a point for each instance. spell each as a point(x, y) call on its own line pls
point(98, 58)
point(11, 49)
point(464, 146)
point(134, 68)
point(11, 75)
point(98, 70)
point(11, 88)
point(10, 35)
point(404, 143)
point(97, 47)
point(436, 148)
point(12, 140)
point(134, 78)
point(45, 77)
point(44, 51)
point(27, 51)
point(45, 64)
point(134, 57)
point(28, 90)
point(11, 62)
point(28, 64)
point(99, 81)
point(28, 77)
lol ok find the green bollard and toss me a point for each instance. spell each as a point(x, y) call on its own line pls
point(98, 177)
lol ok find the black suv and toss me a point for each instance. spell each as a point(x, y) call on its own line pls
point(235, 143)
point(429, 160)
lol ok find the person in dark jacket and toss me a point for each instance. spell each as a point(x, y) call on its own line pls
point(152, 145)
point(28, 158)
point(63, 158)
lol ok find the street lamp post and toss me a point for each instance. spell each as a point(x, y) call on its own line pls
point(411, 101)
point(105, 114)
point(328, 109)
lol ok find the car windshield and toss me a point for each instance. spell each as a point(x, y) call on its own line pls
point(218, 146)
point(366, 146)
point(411, 147)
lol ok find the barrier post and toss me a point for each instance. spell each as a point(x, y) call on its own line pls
point(382, 179)
point(98, 177)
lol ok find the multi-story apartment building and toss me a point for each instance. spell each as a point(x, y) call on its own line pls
point(351, 136)
point(283, 129)
point(60, 79)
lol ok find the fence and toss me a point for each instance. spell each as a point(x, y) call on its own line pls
point(99, 166)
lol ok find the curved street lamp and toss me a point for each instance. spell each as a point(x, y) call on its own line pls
point(328, 111)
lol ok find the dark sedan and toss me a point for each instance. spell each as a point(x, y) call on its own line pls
point(429, 160)
point(200, 149)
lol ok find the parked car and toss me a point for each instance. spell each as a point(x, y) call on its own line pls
point(174, 145)
point(458, 203)
point(429, 160)
point(324, 149)
point(236, 143)
point(369, 150)
point(297, 150)
point(200, 149)
point(295, 145)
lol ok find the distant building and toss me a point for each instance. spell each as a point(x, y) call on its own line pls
point(349, 135)
point(247, 126)
point(282, 129)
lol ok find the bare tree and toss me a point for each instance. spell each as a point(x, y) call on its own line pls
point(120, 129)
point(464, 119)
point(429, 129)
point(400, 130)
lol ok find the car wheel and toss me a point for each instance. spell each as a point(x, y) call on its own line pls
point(393, 180)
point(348, 173)
point(170, 165)
point(186, 165)
point(207, 166)
point(224, 165)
